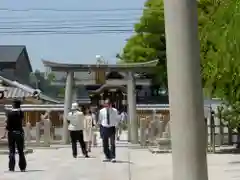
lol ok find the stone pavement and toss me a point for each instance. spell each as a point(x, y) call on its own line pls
point(133, 164)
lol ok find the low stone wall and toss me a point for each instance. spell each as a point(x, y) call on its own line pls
point(155, 132)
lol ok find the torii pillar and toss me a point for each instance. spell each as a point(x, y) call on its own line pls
point(132, 109)
point(67, 105)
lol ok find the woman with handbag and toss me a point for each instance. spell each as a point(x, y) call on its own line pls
point(88, 127)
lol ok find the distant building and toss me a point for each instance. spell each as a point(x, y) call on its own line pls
point(15, 63)
point(15, 71)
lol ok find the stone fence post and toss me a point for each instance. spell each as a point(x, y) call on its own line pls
point(47, 132)
point(38, 136)
point(28, 132)
point(143, 134)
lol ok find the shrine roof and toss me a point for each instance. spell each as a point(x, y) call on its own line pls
point(138, 67)
point(108, 86)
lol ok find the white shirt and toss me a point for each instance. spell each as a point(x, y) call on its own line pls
point(76, 121)
point(113, 117)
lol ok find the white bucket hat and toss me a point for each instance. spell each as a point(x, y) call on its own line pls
point(74, 106)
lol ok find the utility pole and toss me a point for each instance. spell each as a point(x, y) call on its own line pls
point(185, 90)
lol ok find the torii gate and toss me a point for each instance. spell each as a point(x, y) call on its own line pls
point(129, 69)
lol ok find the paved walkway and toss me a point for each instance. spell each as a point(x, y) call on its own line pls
point(134, 164)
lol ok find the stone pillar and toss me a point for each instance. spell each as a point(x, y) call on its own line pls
point(28, 132)
point(38, 126)
point(143, 135)
point(47, 133)
point(94, 140)
point(101, 101)
point(154, 114)
point(185, 91)
point(131, 93)
point(67, 105)
point(128, 124)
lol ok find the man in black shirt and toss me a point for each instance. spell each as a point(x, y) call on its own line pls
point(16, 136)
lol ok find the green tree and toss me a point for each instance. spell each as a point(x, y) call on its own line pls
point(51, 77)
point(39, 81)
point(219, 37)
point(221, 56)
point(148, 42)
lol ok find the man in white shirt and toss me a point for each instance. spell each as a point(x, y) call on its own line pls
point(76, 125)
point(108, 119)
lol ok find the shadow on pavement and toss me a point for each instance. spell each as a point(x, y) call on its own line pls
point(234, 162)
point(83, 157)
point(123, 162)
point(228, 151)
point(30, 170)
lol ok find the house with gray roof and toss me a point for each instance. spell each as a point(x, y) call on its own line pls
point(15, 63)
point(16, 70)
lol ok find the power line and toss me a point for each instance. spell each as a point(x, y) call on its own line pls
point(11, 15)
point(39, 33)
point(78, 26)
point(63, 27)
point(65, 31)
point(68, 26)
point(81, 10)
point(109, 23)
point(71, 10)
point(70, 20)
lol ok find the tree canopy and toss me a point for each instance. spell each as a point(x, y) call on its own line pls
point(39, 81)
point(148, 42)
point(219, 24)
point(220, 52)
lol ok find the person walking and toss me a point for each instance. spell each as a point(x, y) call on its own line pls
point(15, 135)
point(109, 119)
point(88, 127)
point(76, 125)
point(121, 125)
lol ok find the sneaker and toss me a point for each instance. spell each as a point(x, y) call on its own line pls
point(113, 160)
point(11, 170)
point(23, 170)
point(74, 156)
point(86, 156)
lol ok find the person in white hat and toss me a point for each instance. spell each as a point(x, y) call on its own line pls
point(75, 127)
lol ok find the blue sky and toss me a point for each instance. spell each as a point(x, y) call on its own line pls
point(77, 48)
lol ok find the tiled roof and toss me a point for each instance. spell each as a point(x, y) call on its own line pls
point(13, 92)
point(108, 86)
point(138, 67)
point(17, 90)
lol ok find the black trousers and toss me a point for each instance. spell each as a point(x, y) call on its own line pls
point(77, 136)
point(16, 139)
point(108, 133)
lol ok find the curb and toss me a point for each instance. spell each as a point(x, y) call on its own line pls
point(159, 151)
point(5, 151)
